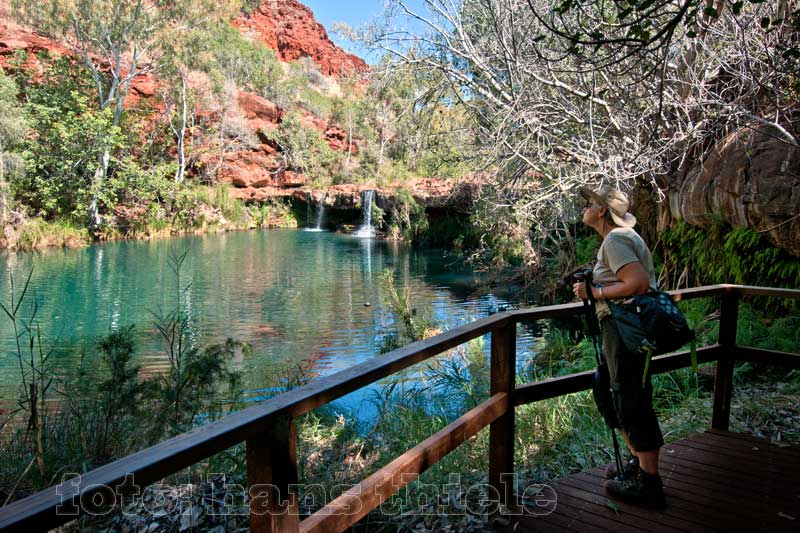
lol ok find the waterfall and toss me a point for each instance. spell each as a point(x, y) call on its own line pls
point(366, 230)
point(320, 212)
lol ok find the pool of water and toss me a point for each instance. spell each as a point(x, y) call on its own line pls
point(293, 296)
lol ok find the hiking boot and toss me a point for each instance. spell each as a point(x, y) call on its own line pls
point(640, 489)
point(629, 469)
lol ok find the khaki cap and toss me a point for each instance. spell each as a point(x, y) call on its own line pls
point(616, 201)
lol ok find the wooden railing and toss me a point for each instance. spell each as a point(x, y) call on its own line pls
point(268, 428)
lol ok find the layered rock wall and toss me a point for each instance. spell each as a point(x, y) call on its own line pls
point(751, 178)
point(289, 28)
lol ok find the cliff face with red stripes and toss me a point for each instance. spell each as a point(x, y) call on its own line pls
point(289, 28)
point(286, 26)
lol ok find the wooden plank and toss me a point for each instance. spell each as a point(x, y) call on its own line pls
point(723, 382)
point(152, 464)
point(698, 292)
point(758, 461)
point(581, 511)
point(699, 476)
point(554, 387)
point(559, 386)
point(757, 503)
point(762, 456)
point(748, 506)
point(573, 308)
point(548, 311)
point(727, 438)
point(596, 484)
point(728, 467)
point(501, 431)
point(682, 472)
point(597, 495)
point(271, 471)
point(678, 507)
point(769, 357)
point(526, 523)
point(774, 489)
point(571, 519)
point(598, 505)
point(357, 502)
point(748, 290)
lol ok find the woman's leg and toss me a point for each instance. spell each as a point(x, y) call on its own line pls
point(648, 461)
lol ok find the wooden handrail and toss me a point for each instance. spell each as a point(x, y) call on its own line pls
point(257, 425)
point(357, 502)
point(572, 383)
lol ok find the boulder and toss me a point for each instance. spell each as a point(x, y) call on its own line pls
point(255, 107)
point(752, 179)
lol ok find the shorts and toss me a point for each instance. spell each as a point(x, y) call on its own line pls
point(633, 403)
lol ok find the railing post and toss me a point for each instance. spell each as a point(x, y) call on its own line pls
point(501, 431)
point(271, 470)
point(723, 381)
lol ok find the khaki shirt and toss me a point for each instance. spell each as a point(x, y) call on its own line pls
point(620, 247)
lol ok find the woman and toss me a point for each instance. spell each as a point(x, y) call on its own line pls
point(624, 269)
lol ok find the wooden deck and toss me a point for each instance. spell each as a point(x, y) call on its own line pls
point(713, 481)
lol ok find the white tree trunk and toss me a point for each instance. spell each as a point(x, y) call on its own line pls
point(97, 181)
point(349, 136)
point(180, 133)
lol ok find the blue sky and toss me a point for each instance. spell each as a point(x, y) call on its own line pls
point(352, 12)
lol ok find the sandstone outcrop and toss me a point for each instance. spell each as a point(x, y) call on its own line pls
point(259, 111)
point(751, 178)
point(428, 192)
point(289, 28)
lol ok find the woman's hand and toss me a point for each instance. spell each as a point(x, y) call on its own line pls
point(579, 290)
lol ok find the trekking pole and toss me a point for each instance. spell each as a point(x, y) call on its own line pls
point(593, 326)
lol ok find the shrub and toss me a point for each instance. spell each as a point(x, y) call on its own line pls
point(225, 54)
point(407, 217)
point(305, 150)
point(39, 233)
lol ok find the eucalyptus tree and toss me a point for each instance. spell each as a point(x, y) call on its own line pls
point(116, 41)
point(564, 96)
point(180, 48)
point(13, 130)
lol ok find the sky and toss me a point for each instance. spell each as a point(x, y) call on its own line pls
point(353, 12)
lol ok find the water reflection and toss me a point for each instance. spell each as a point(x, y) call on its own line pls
point(295, 297)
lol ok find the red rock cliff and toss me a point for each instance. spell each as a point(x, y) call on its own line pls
point(289, 28)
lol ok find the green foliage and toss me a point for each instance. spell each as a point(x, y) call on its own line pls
point(37, 233)
point(224, 54)
point(306, 150)
point(721, 254)
point(505, 241)
point(103, 407)
point(407, 217)
point(63, 156)
point(273, 213)
point(191, 384)
point(13, 129)
point(586, 248)
point(412, 326)
point(106, 410)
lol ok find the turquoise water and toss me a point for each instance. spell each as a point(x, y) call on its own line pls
point(292, 295)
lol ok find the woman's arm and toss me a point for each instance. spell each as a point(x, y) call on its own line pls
point(633, 280)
